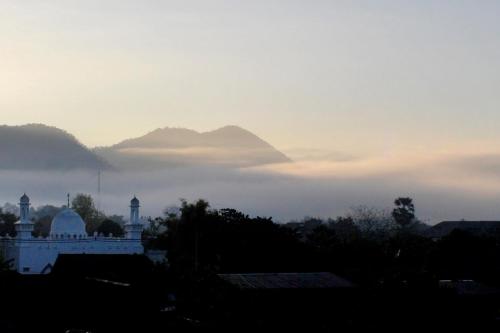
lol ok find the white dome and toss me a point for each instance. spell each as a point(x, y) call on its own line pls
point(67, 224)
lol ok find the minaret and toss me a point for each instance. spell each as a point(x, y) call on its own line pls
point(133, 229)
point(24, 226)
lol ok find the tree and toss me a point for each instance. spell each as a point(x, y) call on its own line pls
point(322, 238)
point(345, 229)
point(194, 214)
point(184, 234)
point(7, 221)
point(10, 208)
point(109, 227)
point(42, 226)
point(42, 216)
point(373, 223)
point(404, 213)
point(115, 218)
point(202, 241)
point(83, 204)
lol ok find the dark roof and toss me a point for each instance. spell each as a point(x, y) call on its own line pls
point(476, 227)
point(468, 287)
point(286, 280)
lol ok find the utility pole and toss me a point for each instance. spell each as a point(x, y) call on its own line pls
point(98, 193)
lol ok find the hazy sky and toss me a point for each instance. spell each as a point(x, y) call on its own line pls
point(349, 76)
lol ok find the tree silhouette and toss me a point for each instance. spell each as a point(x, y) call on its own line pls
point(7, 221)
point(404, 213)
point(109, 227)
point(84, 205)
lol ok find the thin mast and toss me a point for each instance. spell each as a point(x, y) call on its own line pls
point(98, 193)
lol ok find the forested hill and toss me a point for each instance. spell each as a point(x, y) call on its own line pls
point(39, 147)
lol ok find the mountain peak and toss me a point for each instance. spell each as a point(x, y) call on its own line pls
point(228, 145)
point(231, 128)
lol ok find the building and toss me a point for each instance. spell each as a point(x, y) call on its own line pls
point(477, 228)
point(291, 301)
point(37, 255)
point(311, 280)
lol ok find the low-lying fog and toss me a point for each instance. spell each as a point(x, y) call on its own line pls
point(444, 186)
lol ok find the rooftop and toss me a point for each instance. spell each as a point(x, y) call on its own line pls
point(286, 280)
point(477, 227)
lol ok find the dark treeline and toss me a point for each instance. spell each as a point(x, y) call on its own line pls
point(369, 246)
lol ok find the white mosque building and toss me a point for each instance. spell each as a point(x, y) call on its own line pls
point(37, 255)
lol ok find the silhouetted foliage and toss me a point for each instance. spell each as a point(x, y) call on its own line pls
point(404, 213)
point(345, 229)
point(373, 223)
point(7, 221)
point(42, 226)
point(202, 241)
point(109, 227)
point(84, 205)
point(42, 216)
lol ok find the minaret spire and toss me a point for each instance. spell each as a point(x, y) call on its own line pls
point(134, 227)
point(24, 227)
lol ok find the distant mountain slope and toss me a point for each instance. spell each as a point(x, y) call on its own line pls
point(40, 147)
point(228, 146)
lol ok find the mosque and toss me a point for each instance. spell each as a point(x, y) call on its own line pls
point(37, 255)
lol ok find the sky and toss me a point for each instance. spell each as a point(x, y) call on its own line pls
point(371, 99)
point(351, 77)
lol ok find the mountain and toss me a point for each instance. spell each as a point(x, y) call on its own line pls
point(40, 147)
point(230, 146)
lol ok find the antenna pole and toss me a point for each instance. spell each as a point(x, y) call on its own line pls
point(98, 192)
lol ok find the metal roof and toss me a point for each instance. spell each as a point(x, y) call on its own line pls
point(286, 280)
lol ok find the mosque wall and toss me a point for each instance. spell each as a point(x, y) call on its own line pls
point(37, 256)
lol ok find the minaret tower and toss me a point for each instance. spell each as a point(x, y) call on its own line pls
point(24, 226)
point(133, 228)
